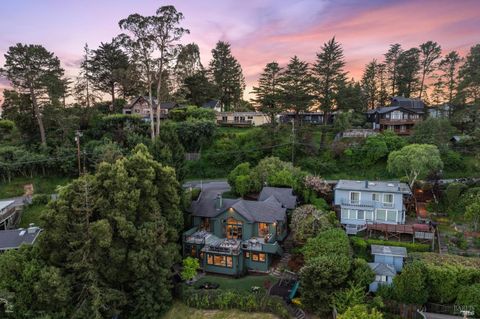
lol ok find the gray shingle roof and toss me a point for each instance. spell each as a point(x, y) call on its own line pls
point(163, 105)
point(373, 186)
point(268, 210)
point(211, 104)
point(13, 239)
point(389, 250)
point(283, 195)
point(382, 269)
point(388, 109)
point(5, 203)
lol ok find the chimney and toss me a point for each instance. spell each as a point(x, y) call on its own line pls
point(218, 202)
point(366, 184)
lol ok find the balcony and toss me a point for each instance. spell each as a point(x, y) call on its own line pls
point(235, 123)
point(366, 204)
point(386, 121)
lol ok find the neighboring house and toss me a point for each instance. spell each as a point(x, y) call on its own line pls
point(234, 236)
point(13, 239)
point(215, 105)
point(367, 202)
point(355, 133)
point(400, 117)
point(440, 111)
point(141, 106)
point(303, 118)
point(240, 119)
point(388, 261)
point(7, 213)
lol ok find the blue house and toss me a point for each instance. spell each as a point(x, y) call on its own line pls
point(366, 202)
point(234, 236)
point(388, 261)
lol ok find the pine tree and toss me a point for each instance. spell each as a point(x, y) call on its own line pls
point(35, 71)
point(329, 74)
point(83, 90)
point(382, 83)
point(227, 76)
point(268, 91)
point(392, 65)
point(296, 84)
point(187, 64)
point(408, 69)
point(370, 85)
point(449, 68)
point(429, 52)
point(469, 84)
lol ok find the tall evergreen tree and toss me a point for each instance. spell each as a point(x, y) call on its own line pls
point(408, 69)
point(35, 71)
point(449, 68)
point(369, 84)
point(107, 67)
point(296, 84)
point(84, 91)
point(329, 74)
point(198, 89)
point(429, 52)
point(469, 74)
point(139, 43)
point(351, 97)
point(392, 65)
point(187, 64)
point(227, 76)
point(382, 83)
point(268, 91)
point(166, 32)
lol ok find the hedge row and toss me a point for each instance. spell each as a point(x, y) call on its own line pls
point(229, 299)
point(361, 247)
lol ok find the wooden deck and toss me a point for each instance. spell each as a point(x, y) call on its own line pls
point(417, 231)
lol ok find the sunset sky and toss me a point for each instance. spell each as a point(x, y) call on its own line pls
point(259, 31)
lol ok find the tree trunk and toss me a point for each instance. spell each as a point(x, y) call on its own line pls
point(152, 122)
point(112, 93)
point(421, 86)
point(38, 115)
point(159, 89)
point(88, 93)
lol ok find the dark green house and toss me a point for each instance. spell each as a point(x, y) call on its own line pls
point(235, 236)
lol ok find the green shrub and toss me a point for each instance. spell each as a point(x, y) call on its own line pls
point(470, 297)
point(40, 199)
point(361, 246)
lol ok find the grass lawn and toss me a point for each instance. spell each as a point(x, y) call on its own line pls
point(31, 214)
point(239, 284)
point(180, 311)
point(41, 185)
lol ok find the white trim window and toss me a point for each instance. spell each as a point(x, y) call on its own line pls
point(344, 214)
point(380, 278)
point(381, 214)
point(388, 200)
point(354, 197)
point(361, 214)
point(392, 216)
point(376, 197)
point(368, 215)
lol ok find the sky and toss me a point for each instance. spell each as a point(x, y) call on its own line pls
point(259, 31)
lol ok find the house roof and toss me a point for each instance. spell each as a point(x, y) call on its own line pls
point(382, 269)
point(268, 209)
point(407, 102)
point(388, 109)
point(211, 104)
point(163, 105)
point(373, 186)
point(13, 239)
point(389, 250)
point(5, 203)
point(283, 195)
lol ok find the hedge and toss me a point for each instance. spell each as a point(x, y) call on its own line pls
point(228, 299)
point(361, 247)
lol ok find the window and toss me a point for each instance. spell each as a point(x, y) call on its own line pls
point(234, 229)
point(220, 260)
point(193, 251)
point(376, 197)
point(388, 200)
point(259, 257)
point(242, 118)
point(397, 115)
point(381, 214)
point(360, 214)
point(247, 254)
point(381, 278)
point(205, 223)
point(224, 118)
point(369, 215)
point(263, 229)
point(344, 213)
point(250, 117)
point(354, 197)
point(392, 215)
point(279, 228)
point(352, 214)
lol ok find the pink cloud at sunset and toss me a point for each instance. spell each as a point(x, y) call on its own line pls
point(259, 31)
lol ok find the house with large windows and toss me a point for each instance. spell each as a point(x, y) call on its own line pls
point(369, 202)
point(236, 236)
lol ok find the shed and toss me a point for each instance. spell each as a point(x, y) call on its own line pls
point(389, 255)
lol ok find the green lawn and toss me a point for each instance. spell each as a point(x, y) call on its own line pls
point(31, 214)
point(41, 185)
point(239, 284)
point(180, 311)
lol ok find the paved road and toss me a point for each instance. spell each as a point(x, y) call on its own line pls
point(210, 189)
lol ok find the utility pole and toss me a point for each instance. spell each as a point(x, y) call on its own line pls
point(78, 134)
point(293, 141)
